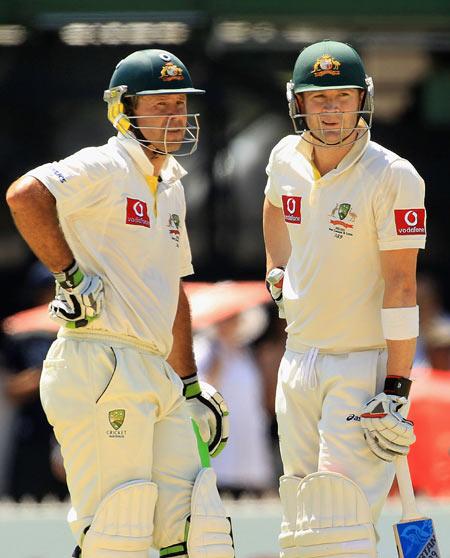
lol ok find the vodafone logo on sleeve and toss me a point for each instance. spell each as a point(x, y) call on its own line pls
point(410, 221)
point(137, 213)
point(292, 209)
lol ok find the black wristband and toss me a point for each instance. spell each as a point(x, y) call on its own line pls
point(397, 385)
point(191, 387)
point(70, 277)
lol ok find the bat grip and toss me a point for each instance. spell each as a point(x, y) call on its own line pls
point(405, 488)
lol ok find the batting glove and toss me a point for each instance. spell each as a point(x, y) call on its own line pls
point(274, 284)
point(209, 410)
point(386, 430)
point(79, 297)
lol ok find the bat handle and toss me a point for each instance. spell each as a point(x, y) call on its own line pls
point(406, 490)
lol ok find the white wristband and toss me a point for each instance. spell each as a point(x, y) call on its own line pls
point(400, 323)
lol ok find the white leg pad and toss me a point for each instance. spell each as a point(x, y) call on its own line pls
point(210, 530)
point(288, 496)
point(123, 523)
point(333, 518)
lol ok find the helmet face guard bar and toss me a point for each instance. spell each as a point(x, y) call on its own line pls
point(128, 126)
point(320, 133)
point(186, 146)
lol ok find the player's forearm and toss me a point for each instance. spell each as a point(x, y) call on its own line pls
point(34, 212)
point(400, 357)
point(399, 273)
point(181, 357)
point(276, 237)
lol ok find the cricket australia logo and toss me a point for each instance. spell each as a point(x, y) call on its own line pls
point(174, 227)
point(326, 64)
point(342, 220)
point(170, 72)
point(116, 419)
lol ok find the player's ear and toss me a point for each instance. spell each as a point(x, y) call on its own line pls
point(362, 99)
point(130, 104)
point(300, 102)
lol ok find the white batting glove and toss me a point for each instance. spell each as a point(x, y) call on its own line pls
point(274, 284)
point(209, 410)
point(386, 430)
point(79, 297)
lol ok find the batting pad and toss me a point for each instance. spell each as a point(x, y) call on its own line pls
point(288, 496)
point(123, 524)
point(333, 518)
point(209, 533)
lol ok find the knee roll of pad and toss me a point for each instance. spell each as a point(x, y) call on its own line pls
point(209, 533)
point(333, 518)
point(288, 496)
point(123, 523)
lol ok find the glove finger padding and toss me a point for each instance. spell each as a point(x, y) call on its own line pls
point(387, 432)
point(64, 310)
point(218, 419)
point(208, 408)
point(77, 306)
point(382, 448)
point(90, 295)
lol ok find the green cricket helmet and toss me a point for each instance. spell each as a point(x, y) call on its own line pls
point(150, 72)
point(329, 65)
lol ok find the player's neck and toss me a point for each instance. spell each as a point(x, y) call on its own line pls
point(328, 158)
point(157, 160)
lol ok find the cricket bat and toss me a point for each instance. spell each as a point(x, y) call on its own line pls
point(414, 534)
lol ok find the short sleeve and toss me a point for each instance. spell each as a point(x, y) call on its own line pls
point(271, 191)
point(399, 208)
point(76, 182)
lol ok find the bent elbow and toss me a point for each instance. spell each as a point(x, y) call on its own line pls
point(25, 192)
point(19, 193)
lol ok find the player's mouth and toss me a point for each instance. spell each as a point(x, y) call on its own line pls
point(330, 124)
point(176, 131)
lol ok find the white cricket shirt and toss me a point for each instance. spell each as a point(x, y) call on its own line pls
point(118, 229)
point(338, 223)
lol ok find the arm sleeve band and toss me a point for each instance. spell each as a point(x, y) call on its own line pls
point(400, 323)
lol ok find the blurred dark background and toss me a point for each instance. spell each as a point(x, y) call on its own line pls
point(56, 59)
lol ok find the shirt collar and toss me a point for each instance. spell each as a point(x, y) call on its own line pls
point(171, 170)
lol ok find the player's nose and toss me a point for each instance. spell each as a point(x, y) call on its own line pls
point(331, 106)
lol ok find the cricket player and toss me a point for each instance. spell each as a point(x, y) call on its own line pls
point(343, 220)
point(109, 222)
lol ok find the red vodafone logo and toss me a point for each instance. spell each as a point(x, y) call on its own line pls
point(410, 221)
point(292, 209)
point(137, 213)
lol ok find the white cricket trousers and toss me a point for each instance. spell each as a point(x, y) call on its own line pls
point(318, 404)
point(117, 411)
